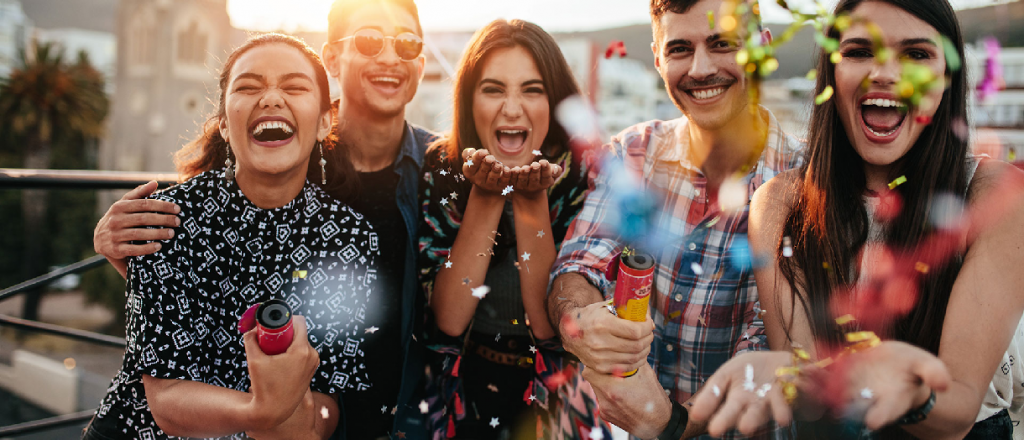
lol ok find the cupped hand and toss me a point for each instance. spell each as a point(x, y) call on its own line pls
point(126, 220)
point(485, 171)
point(743, 394)
point(534, 177)
point(279, 382)
point(606, 343)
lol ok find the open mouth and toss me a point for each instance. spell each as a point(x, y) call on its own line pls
point(511, 141)
point(706, 94)
point(882, 118)
point(388, 83)
point(272, 132)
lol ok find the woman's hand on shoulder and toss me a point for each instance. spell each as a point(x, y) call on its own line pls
point(535, 177)
point(485, 171)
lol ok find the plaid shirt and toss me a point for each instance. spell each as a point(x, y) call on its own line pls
point(704, 299)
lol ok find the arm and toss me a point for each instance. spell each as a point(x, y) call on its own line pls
point(452, 302)
point(125, 223)
point(534, 240)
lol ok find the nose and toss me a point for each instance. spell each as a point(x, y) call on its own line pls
point(388, 55)
point(702, 67)
point(272, 98)
point(512, 109)
point(887, 73)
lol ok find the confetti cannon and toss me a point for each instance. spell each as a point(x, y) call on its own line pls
point(633, 288)
point(273, 322)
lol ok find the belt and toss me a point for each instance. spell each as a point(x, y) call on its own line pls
point(499, 357)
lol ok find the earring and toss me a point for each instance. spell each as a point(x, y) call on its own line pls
point(323, 163)
point(229, 173)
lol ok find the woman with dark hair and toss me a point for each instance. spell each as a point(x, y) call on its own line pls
point(496, 203)
point(253, 229)
point(891, 223)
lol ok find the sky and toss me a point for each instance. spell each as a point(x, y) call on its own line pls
point(443, 15)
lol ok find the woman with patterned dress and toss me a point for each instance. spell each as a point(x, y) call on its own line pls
point(253, 231)
point(499, 194)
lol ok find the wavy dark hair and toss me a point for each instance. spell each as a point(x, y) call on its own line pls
point(209, 150)
point(559, 84)
point(829, 223)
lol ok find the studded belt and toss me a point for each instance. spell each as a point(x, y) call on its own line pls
point(499, 357)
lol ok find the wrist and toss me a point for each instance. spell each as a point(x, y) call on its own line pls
point(675, 426)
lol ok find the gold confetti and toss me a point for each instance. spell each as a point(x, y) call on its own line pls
point(824, 96)
point(836, 57)
point(845, 319)
point(674, 315)
point(299, 274)
point(711, 19)
point(899, 181)
point(728, 23)
point(921, 267)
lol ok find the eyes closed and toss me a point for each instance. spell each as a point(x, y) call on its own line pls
point(495, 88)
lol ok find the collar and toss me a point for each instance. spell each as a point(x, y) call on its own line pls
point(409, 141)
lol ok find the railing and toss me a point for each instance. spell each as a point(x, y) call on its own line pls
point(65, 179)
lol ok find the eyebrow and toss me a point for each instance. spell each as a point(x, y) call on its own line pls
point(499, 83)
point(903, 43)
point(263, 79)
point(710, 39)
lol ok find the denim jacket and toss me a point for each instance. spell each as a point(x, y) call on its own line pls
point(408, 169)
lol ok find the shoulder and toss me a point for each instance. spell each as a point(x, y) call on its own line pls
point(990, 176)
point(775, 199)
point(637, 139)
point(194, 190)
point(424, 138)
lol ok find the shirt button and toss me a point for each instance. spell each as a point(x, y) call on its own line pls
point(696, 192)
point(668, 347)
point(679, 297)
point(692, 246)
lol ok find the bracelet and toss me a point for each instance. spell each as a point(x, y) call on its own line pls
point(918, 414)
point(676, 424)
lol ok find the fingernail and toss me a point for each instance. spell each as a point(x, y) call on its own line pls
point(158, 246)
point(177, 209)
point(177, 221)
point(170, 233)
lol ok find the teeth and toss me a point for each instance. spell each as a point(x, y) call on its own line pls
point(707, 94)
point(268, 125)
point(882, 134)
point(389, 79)
point(883, 103)
point(511, 132)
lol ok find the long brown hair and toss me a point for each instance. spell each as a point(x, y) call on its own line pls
point(209, 150)
point(829, 223)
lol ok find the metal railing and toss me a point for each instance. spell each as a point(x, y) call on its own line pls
point(65, 179)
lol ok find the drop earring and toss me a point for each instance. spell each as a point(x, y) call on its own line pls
point(229, 173)
point(323, 163)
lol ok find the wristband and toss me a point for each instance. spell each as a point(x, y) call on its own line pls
point(676, 424)
point(918, 414)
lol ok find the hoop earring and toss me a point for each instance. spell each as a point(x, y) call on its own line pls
point(323, 163)
point(229, 173)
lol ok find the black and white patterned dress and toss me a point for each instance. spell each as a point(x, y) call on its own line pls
point(184, 302)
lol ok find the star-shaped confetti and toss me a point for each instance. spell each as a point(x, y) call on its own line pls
point(469, 162)
point(400, 434)
point(526, 256)
point(444, 172)
point(481, 292)
point(540, 234)
point(866, 393)
point(383, 409)
point(465, 281)
point(424, 407)
point(454, 195)
point(533, 397)
point(536, 152)
point(507, 190)
point(494, 422)
point(324, 412)
point(448, 264)
point(492, 387)
point(372, 330)
point(444, 202)
point(497, 337)
point(533, 349)
point(596, 434)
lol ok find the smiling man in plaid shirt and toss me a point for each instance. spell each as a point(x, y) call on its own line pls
point(704, 300)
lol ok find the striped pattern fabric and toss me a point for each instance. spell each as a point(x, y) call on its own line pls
point(705, 297)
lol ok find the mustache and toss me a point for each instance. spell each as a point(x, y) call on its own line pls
point(394, 73)
point(691, 83)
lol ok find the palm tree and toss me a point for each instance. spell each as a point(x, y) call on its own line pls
point(43, 101)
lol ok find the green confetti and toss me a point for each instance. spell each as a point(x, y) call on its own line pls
point(836, 57)
point(824, 96)
point(711, 20)
point(811, 74)
point(742, 56)
point(1012, 156)
point(899, 181)
point(953, 61)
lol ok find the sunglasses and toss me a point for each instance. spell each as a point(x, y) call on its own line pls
point(370, 43)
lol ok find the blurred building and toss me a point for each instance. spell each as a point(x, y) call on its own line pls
point(999, 118)
point(166, 78)
point(15, 29)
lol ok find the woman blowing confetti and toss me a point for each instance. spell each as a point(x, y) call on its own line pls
point(890, 232)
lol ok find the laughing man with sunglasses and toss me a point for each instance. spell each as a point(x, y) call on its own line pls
point(374, 52)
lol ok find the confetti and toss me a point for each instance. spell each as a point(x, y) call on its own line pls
point(383, 409)
point(454, 195)
point(596, 434)
point(540, 234)
point(533, 349)
point(526, 256)
point(532, 397)
point(513, 321)
point(711, 20)
point(299, 274)
point(615, 47)
point(845, 319)
point(649, 407)
point(494, 422)
point(697, 270)
point(897, 182)
point(469, 162)
point(481, 291)
point(732, 194)
point(536, 152)
point(497, 337)
point(371, 330)
point(465, 281)
point(923, 120)
point(748, 378)
point(992, 81)
point(324, 412)
point(507, 190)
point(424, 407)
point(787, 247)
point(716, 391)
point(444, 172)
point(921, 267)
point(763, 391)
point(866, 393)
point(448, 264)
point(444, 202)
point(824, 96)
